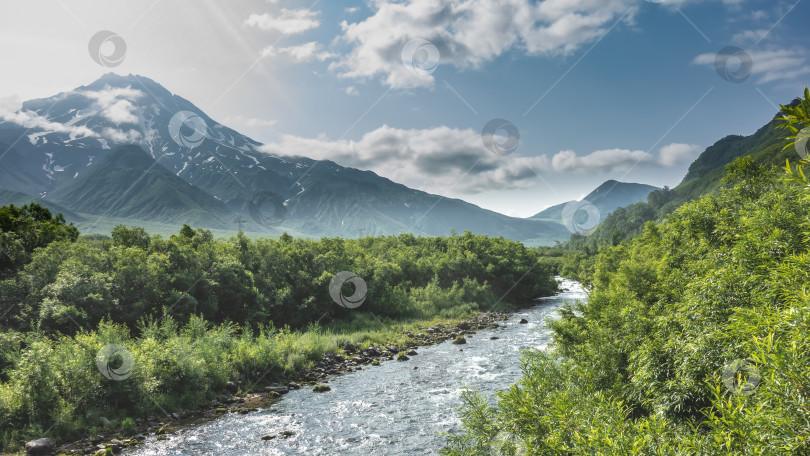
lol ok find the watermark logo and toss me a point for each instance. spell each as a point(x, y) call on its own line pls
point(581, 217)
point(500, 137)
point(733, 64)
point(507, 444)
point(336, 290)
point(107, 48)
point(741, 377)
point(188, 129)
point(420, 56)
point(801, 143)
point(267, 208)
point(115, 362)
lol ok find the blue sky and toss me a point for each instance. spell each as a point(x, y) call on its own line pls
point(597, 89)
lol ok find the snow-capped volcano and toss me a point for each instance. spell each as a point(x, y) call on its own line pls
point(62, 149)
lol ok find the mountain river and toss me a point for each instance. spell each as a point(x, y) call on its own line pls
point(396, 408)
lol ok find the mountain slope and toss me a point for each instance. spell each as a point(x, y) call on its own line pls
point(607, 197)
point(67, 141)
point(20, 199)
point(129, 183)
point(704, 177)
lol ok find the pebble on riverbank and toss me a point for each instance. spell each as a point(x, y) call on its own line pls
point(236, 396)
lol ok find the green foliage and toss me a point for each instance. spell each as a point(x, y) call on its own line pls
point(765, 147)
point(196, 312)
point(26, 228)
point(639, 368)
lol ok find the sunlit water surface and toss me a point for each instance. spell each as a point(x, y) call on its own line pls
point(391, 409)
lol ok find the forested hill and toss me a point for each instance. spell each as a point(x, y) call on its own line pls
point(704, 177)
point(694, 340)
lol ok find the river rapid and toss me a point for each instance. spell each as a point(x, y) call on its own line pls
point(397, 408)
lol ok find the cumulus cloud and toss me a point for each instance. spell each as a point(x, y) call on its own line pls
point(450, 160)
point(32, 120)
point(433, 160)
point(469, 33)
point(612, 160)
point(679, 3)
point(675, 153)
point(113, 104)
point(300, 53)
point(289, 22)
point(116, 104)
point(769, 65)
point(748, 36)
point(121, 136)
point(607, 160)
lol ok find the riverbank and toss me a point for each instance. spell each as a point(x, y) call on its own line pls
point(361, 350)
point(394, 409)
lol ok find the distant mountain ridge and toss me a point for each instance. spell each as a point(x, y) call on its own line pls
point(607, 197)
point(69, 154)
point(705, 175)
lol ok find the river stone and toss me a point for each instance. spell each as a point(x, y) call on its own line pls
point(523, 321)
point(460, 340)
point(277, 389)
point(269, 437)
point(43, 446)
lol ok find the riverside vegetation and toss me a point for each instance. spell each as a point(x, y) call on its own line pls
point(695, 338)
point(197, 313)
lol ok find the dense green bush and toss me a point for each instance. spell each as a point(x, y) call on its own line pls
point(647, 364)
point(196, 312)
point(70, 285)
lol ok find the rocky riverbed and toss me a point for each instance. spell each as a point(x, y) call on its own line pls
point(239, 398)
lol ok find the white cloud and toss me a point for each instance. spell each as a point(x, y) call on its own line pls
point(469, 33)
point(680, 3)
point(448, 160)
point(116, 104)
point(612, 160)
point(242, 121)
point(432, 160)
point(30, 119)
point(300, 53)
point(748, 36)
point(121, 136)
point(289, 22)
point(768, 65)
point(608, 160)
point(351, 90)
point(675, 153)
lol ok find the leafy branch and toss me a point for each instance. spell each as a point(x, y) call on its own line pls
point(796, 119)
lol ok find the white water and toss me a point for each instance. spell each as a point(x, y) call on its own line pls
point(391, 409)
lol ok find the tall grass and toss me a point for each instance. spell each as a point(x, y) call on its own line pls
point(55, 386)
